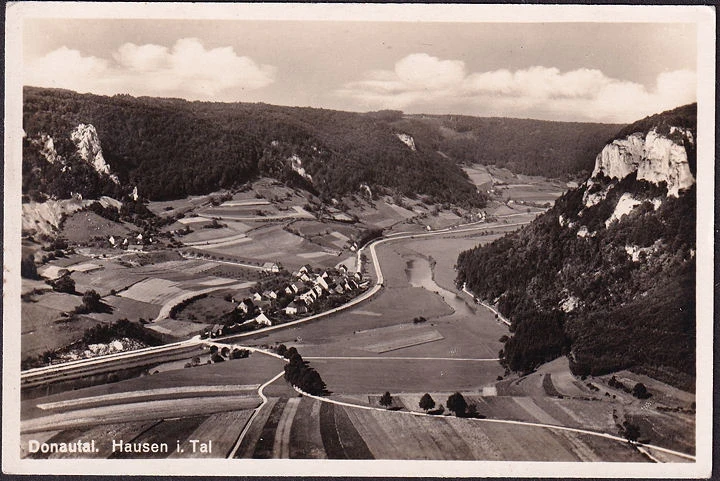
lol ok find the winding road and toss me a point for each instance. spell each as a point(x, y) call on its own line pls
point(49, 371)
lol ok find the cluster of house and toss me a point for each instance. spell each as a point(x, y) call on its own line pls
point(307, 287)
point(136, 245)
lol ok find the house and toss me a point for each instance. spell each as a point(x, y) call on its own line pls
point(343, 268)
point(339, 289)
point(304, 277)
point(295, 308)
point(308, 297)
point(318, 290)
point(256, 297)
point(306, 269)
point(263, 320)
point(246, 306)
point(269, 294)
point(289, 290)
point(353, 283)
point(324, 275)
point(357, 276)
point(271, 266)
point(320, 281)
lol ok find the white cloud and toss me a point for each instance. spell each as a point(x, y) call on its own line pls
point(421, 83)
point(187, 70)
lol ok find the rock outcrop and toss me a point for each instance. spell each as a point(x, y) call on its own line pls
point(654, 157)
point(88, 146)
point(407, 140)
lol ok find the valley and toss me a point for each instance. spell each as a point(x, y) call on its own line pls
point(413, 333)
point(311, 284)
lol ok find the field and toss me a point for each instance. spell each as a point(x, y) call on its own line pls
point(353, 376)
point(304, 428)
point(208, 400)
point(83, 226)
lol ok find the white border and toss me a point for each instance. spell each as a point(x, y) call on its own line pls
point(703, 17)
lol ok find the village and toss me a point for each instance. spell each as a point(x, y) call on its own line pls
point(284, 297)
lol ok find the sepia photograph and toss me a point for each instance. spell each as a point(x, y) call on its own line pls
point(347, 239)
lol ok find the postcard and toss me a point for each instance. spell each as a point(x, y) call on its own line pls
point(358, 239)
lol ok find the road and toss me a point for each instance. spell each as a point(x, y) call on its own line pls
point(72, 369)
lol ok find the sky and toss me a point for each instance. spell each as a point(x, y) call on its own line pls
point(599, 72)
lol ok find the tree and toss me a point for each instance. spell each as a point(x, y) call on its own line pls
point(457, 404)
point(640, 391)
point(426, 402)
point(65, 284)
point(386, 400)
point(28, 270)
point(631, 431)
point(281, 349)
point(91, 301)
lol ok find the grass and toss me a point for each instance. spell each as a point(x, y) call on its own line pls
point(399, 375)
point(305, 438)
point(222, 429)
point(339, 436)
point(264, 445)
point(83, 226)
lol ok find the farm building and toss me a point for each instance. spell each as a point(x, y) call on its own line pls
point(271, 266)
point(136, 248)
point(263, 319)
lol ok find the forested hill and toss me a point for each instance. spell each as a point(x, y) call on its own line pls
point(607, 276)
point(172, 148)
point(525, 146)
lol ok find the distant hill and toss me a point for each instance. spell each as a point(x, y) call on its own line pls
point(607, 276)
point(524, 146)
point(171, 148)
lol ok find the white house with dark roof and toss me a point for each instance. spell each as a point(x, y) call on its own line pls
point(263, 320)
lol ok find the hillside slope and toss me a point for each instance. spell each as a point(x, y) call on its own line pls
point(607, 276)
point(171, 148)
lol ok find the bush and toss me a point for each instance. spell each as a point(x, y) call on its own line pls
point(217, 358)
point(640, 391)
point(28, 270)
point(64, 284)
point(426, 402)
point(457, 404)
point(386, 399)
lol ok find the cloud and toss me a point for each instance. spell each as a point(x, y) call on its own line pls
point(187, 70)
point(422, 83)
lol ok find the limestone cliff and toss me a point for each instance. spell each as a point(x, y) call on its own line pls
point(88, 146)
point(653, 156)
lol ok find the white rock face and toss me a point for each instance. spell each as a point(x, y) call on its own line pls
point(570, 304)
point(407, 140)
point(296, 164)
point(87, 142)
point(624, 206)
point(596, 197)
point(655, 158)
point(48, 148)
